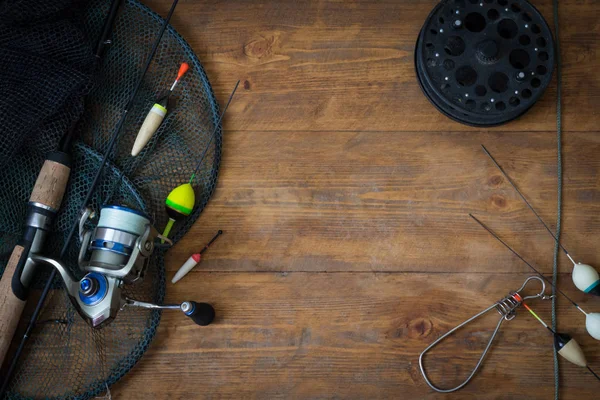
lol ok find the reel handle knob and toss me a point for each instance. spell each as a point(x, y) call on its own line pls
point(201, 313)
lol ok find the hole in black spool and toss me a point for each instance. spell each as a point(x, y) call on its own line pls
point(431, 62)
point(500, 106)
point(519, 58)
point(524, 40)
point(502, 2)
point(526, 93)
point(498, 82)
point(493, 14)
point(441, 20)
point(541, 70)
point(466, 76)
point(515, 7)
point(473, 1)
point(448, 64)
point(489, 1)
point(535, 28)
point(507, 28)
point(541, 42)
point(475, 22)
point(514, 101)
point(433, 31)
point(445, 86)
point(526, 17)
point(455, 46)
point(470, 104)
point(429, 45)
point(485, 106)
point(535, 83)
point(543, 56)
point(480, 90)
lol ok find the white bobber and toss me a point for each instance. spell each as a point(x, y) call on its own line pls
point(592, 324)
point(187, 267)
point(583, 274)
point(586, 278)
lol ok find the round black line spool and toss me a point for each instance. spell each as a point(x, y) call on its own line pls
point(484, 62)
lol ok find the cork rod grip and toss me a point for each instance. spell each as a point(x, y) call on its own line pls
point(51, 184)
point(11, 307)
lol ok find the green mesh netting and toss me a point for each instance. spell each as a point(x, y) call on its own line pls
point(64, 357)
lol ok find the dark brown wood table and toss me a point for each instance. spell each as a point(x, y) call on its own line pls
point(344, 197)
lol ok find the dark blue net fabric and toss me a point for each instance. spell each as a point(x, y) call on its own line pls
point(64, 357)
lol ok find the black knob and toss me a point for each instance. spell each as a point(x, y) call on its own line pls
point(487, 51)
point(201, 313)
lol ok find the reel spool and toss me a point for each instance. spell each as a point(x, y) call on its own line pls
point(120, 232)
point(484, 62)
point(115, 253)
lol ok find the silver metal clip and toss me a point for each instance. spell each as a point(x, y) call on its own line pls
point(506, 307)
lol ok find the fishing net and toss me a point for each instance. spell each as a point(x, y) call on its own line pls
point(46, 65)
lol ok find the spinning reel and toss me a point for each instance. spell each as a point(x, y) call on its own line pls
point(113, 254)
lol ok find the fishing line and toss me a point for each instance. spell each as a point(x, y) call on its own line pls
point(516, 188)
point(213, 134)
point(181, 201)
point(491, 232)
point(592, 320)
point(559, 185)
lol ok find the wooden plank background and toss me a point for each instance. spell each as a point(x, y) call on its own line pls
point(344, 197)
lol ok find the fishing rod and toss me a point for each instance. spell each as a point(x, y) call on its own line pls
point(95, 181)
point(44, 204)
point(592, 320)
point(67, 138)
point(585, 277)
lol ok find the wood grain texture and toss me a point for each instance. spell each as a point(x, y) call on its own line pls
point(352, 335)
point(11, 307)
point(348, 65)
point(344, 197)
point(340, 201)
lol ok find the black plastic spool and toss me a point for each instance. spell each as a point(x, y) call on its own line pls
point(484, 62)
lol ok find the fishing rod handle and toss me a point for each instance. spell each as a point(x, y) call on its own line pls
point(11, 306)
point(51, 183)
point(44, 202)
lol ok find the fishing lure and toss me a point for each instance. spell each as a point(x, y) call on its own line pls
point(506, 307)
